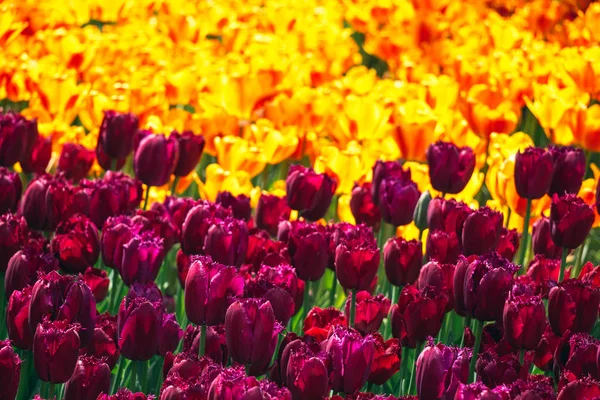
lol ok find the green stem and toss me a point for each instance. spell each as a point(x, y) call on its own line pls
point(265, 177)
point(51, 388)
point(113, 164)
point(563, 264)
point(353, 308)
point(132, 379)
point(147, 197)
point(305, 305)
point(467, 325)
point(202, 346)
point(333, 291)
point(478, 334)
point(508, 214)
point(578, 261)
point(522, 356)
point(403, 368)
point(142, 375)
point(395, 294)
point(117, 381)
point(174, 187)
point(413, 375)
point(279, 340)
point(524, 241)
point(116, 289)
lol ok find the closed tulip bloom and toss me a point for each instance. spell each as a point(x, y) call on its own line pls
point(495, 369)
point(10, 370)
point(90, 378)
point(383, 170)
point(481, 231)
point(442, 246)
point(534, 387)
point(447, 215)
point(508, 244)
point(576, 356)
point(309, 250)
point(210, 287)
point(17, 319)
point(64, 200)
point(190, 151)
point(36, 161)
point(10, 190)
point(569, 169)
point(450, 166)
point(251, 331)
point(105, 200)
point(362, 206)
point(33, 203)
point(386, 360)
point(306, 373)
point(351, 358)
point(29, 139)
point(270, 211)
point(418, 314)
point(155, 159)
point(570, 220)
point(239, 205)
point(123, 394)
point(477, 391)
point(370, 311)
point(488, 281)
point(177, 208)
point(533, 172)
point(98, 282)
point(104, 343)
point(356, 264)
point(544, 353)
point(76, 244)
point(130, 190)
point(440, 371)
point(117, 232)
point(55, 349)
point(582, 389)
point(13, 234)
point(196, 224)
point(402, 260)
point(460, 272)
point(142, 257)
point(13, 130)
point(524, 320)
point(216, 343)
point(342, 232)
point(24, 266)
point(75, 161)
point(308, 192)
point(117, 132)
point(544, 274)
point(439, 276)
point(319, 321)
point(573, 306)
point(226, 241)
point(542, 240)
point(233, 384)
point(398, 198)
point(139, 324)
point(169, 335)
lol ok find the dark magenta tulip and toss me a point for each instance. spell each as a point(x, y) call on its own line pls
point(573, 306)
point(10, 190)
point(239, 205)
point(10, 370)
point(450, 166)
point(270, 211)
point(105, 200)
point(104, 344)
point(233, 384)
point(33, 203)
point(356, 264)
point(190, 151)
point(440, 277)
point(216, 343)
point(308, 192)
point(226, 241)
point(64, 200)
point(383, 170)
point(481, 231)
point(305, 371)
point(402, 260)
point(581, 389)
point(544, 274)
point(124, 394)
point(142, 258)
point(460, 271)
point(398, 198)
point(13, 234)
point(130, 190)
point(524, 320)
point(442, 246)
point(169, 335)
point(319, 321)
point(76, 244)
point(362, 206)
point(576, 357)
point(177, 209)
point(196, 224)
point(117, 232)
point(495, 369)
point(479, 391)
point(343, 232)
point(534, 168)
point(98, 282)
point(17, 319)
point(370, 311)
point(13, 133)
point(386, 360)
point(508, 244)
point(155, 159)
point(570, 220)
point(75, 161)
point(308, 248)
point(447, 215)
point(24, 266)
point(36, 161)
point(90, 378)
point(117, 132)
point(542, 240)
point(55, 350)
point(569, 169)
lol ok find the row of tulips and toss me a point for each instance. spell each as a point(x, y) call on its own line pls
point(192, 299)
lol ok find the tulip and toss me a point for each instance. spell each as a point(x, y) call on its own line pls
point(533, 172)
point(142, 258)
point(270, 211)
point(159, 223)
point(398, 200)
point(196, 225)
point(183, 266)
point(570, 221)
point(363, 208)
point(447, 215)
point(177, 209)
point(75, 161)
point(24, 266)
point(351, 359)
point(481, 231)
point(76, 243)
point(117, 232)
point(10, 370)
point(169, 335)
point(10, 190)
point(226, 241)
point(90, 378)
point(508, 243)
point(306, 372)
point(442, 247)
point(450, 166)
point(569, 169)
point(63, 297)
point(460, 271)
point(63, 201)
point(13, 233)
point(55, 349)
point(494, 369)
point(370, 311)
point(98, 282)
point(544, 353)
point(308, 249)
point(33, 203)
point(210, 288)
point(13, 130)
point(17, 319)
point(356, 264)
point(542, 240)
point(308, 192)
point(124, 394)
point(117, 133)
point(215, 342)
point(343, 232)
point(36, 161)
point(30, 137)
point(402, 260)
point(524, 320)
point(251, 331)
point(383, 170)
point(418, 314)
point(440, 370)
point(534, 388)
point(190, 151)
point(105, 201)
point(573, 306)
point(386, 360)
point(130, 190)
point(233, 384)
point(319, 321)
point(155, 159)
point(581, 389)
point(104, 343)
point(105, 162)
point(440, 277)
point(576, 357)
point(478, 391)
point(239, 205)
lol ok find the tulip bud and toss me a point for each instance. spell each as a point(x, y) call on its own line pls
point(13, 233)
point(216, 343)
point(190, 151)
point(117, 232)
point(196, 225)
point(533, 172)
point(440, 277)
point(10, 370)
point(17, 319)
point(308, 248)
point(356, 264)
point(169, 335)
point(308, 192)
point(75, 161)
point(24, 266)
point(130, 190)
point(90, 378)
point(142, 258)
point(442, 247)
point(570, 220)
point(460, 272)
point(319, 321)
point(582, 389)
point(351, 359)
point(33, 203)
point(364, 210)
point(117, 132)
point(104, 340)
point(383, 170)
point(421, 211)
point(398, 200)
point(239, 205)
point(450, 166)
point(481, 231)
point(306, 373)
point(270, 211)
point(55, 349)
point(37, 160)
point(10, 190)
point(210, 288)
point(30, 137)
point(251, 331)
point(98, 282)
point(155, 159)
point(569, 169)
point(76, 244)
point(494, 369)
point(386, 360)
point(370, 311)
point(440, 370)
point(488, 281)
point(233, 384)
point(542, 240)
point(226, 241)
point(13, 130)
point(573, 306)
point(105, 200)
point(524, 320)
point(402, 260)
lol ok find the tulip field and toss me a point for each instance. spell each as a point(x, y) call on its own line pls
point(300, 200)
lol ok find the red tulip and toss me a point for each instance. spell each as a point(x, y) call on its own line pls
point(573, 306)
point(104, 340)
point(533, 172)
point(98, 282)
point(76, 244)
point(308, 192)
point(442, 247)
point(576, 357)
point(582, 389)
point(402, 260)
point(362, 206)
point(481, 231)
point(386, 360)
point(10, 370)
point(55, 349)
point(90, 378)
point(370, 311)
point(356, 264)
point(544, 274)
point(270, 211)
point(75, 161)
point(447, 215)
point(570, 220)
point(450, 166)
point(17, 319)
point(63, 201)
point(319, 321)
point(508, 243)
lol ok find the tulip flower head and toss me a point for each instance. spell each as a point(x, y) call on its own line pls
point(440, 371)
point(570, 221)
point(55, 349)
point(10, 190)
point(450, 166)
point(534, 169)
point(308, 192)
point(10, 370)
point(402, 260)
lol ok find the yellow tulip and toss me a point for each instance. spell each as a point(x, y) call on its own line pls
point(414, 129)
point(219, 180)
